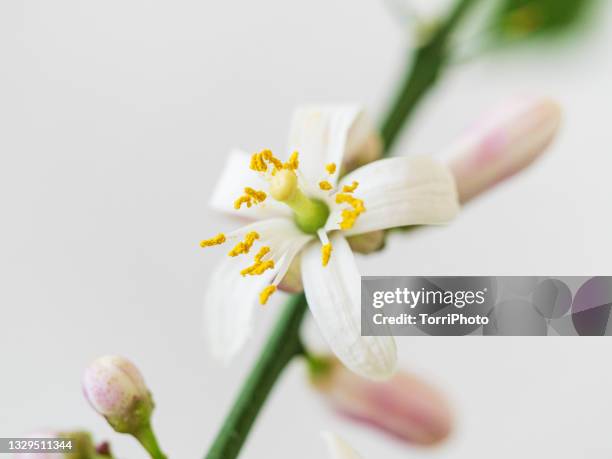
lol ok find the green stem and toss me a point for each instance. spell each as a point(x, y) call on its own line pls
point(284, 342)
point(425, 68)
point(282, 345)
point(147, 439)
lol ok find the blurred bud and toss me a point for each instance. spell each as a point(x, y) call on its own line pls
point(403, 406)
point(363, 146)
point(82, 446)
point(115, 388)
point(504, 143)
point(292, 282)
point(104, 449)
point(367, 242)
point(359, 155)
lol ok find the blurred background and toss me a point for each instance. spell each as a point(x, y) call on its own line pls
point(115, 118)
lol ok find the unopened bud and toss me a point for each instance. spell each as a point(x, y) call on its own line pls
point(364, 145)
point(115, 388)
point(368, 242)
point(504, 143)
point(403, 406)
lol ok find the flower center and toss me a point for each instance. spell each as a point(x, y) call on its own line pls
point(310, 214)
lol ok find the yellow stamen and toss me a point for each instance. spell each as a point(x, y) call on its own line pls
point(267, 155)
point(330, 168)
point(350, 188)
point(243, 200)
point(261, 160)
point(244, 246)
point(326, 251)
point(349, 216)
point(258, 196)
point(257, 163)
point(266, 293)
point(293, 162)
point(217, 240)
point(259, 266)
point(325, 185)
point(249, 198)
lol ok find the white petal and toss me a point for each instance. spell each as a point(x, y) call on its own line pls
point(231, 299)
point(328, 134)
point(333, 293)
point(401, 191)
point(338, 448)
point(237, 175)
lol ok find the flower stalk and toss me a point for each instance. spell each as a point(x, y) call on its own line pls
point(284, 343)
point(430, 60)
point(282, 346)
point(147, 439)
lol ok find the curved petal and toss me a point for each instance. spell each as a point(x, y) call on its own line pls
point(333, 294)
point(338, 448)
point(230, 298)
point(340, 134)
point(237, 175)
point(401, 191)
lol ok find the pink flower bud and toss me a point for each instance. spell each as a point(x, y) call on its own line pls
point(115, 388)
point(502, 144)
point(403, 406)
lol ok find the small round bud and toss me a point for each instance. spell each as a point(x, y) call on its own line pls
point(115, 388)
point(403, 406)
point(283, 185)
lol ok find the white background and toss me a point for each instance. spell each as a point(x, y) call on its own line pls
point(115, 118)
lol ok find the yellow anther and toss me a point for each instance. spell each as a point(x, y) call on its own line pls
point(268, 156)
point(326, 251)
point(259, 266)
point(330, 168)
point(249, 198)
point(257, 163)
point(243, 200)
point(266, 293)
point(325, 185)
point(217, 240)
point(349, 216)
point(258, 196)
point(350, 188)
point(293, 163)
point(261, 160)
point(244, 246)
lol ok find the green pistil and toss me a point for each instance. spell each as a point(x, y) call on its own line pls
point(310, 214)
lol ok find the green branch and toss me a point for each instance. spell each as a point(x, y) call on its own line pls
point(282, 345)
point(284, 342)
point(424, 69)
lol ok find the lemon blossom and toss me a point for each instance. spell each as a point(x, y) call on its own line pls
point(304, 207)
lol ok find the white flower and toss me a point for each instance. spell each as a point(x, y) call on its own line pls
point(338, 448)
point(303, 208)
